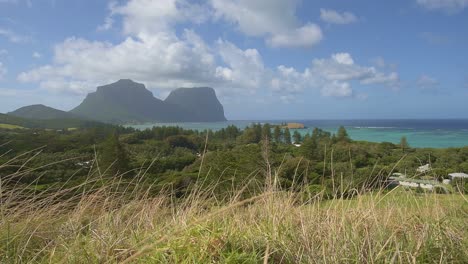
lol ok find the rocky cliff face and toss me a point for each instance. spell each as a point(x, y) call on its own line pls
point(126, 101)
point(201, 102)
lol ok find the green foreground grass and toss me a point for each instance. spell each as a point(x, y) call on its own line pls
point(124, 224)
point(8, 126)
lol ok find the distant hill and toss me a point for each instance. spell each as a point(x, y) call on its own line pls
point(126, 101)
point(11, 121)
point(201, 102)
point(41, 112)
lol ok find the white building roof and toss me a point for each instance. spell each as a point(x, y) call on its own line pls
point(458, 175)
point(424, 168)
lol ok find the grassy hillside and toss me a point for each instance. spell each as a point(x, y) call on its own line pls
point(60, 123)
point(9, 126)
point(166, 195)
point(120, 223)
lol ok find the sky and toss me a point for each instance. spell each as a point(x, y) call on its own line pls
point(266, 59)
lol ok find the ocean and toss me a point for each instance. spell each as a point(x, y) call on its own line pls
point(423, 133)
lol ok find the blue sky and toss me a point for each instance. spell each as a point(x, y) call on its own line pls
point(267, 59)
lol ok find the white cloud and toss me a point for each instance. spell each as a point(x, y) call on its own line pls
point(3, 52)
point(145, 17)
point(244, 68)
point(332, 76)
point(337, 89)
point(153, 53)
point(334, 17)
point(275, 20)
point(3, 70)
point(13, 36)
point(162, 61)
point(445, 5)
point(341, 67)
point(36, 55)
point(258, 18)
point(305, 36)
point(343, 58)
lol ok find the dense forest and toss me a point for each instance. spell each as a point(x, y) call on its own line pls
point(171, 157)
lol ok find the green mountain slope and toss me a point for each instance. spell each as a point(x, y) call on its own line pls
point(41, 112)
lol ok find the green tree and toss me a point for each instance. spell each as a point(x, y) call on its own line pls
point(258, 132)
point(250, 135)
point(404, 143)
point(297, 137)
point(287, 136)
point(114, 157)
point(180, 141)
point(232, 132)
point(266, 131)
point(277, 134)
point(342, 134)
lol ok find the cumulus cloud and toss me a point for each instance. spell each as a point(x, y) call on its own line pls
point(153, 53)
point(275, 20)
point(332, 76)
point(162, 60)
point(305, 36)
point(445, 5)
point(337, 89)
point(244, 68)
point(333, 17)
point(145, 17)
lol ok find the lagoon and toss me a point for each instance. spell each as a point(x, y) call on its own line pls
point(421, 133)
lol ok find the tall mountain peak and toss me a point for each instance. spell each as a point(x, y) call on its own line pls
point(201, 101)
point(126, 101)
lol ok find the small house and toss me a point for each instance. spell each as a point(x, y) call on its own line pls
point(424, 168)
point(458, 175)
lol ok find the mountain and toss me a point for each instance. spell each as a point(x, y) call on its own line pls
point(201, 102)
point(126, 101)
point(41, 112)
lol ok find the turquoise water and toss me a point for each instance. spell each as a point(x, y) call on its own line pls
point(420, 133)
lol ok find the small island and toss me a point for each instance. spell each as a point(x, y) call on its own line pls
point(293, 126)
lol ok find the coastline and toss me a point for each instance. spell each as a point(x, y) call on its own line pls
point(421, 133)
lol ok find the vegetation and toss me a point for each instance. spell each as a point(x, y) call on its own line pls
point(166, 194)
point(60, 123)
point(118, 222)
point(41, 112)
point(8, 126)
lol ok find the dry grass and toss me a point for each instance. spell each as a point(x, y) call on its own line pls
point(109, 221)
